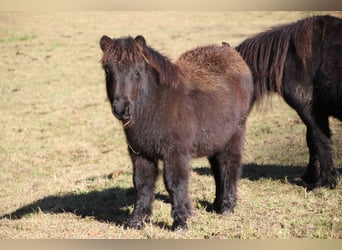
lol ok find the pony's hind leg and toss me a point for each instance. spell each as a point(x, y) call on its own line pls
point(176, 177)
point(145, 172)
point(226, 167)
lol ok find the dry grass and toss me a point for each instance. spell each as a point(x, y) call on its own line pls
point(65, 172)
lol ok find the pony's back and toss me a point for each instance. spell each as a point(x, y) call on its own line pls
point(213, 67)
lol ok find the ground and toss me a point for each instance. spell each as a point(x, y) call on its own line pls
point(65, 171)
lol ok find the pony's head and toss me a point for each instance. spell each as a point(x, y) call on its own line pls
point(129, 75)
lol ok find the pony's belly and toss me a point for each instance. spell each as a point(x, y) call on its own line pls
point(208, 144)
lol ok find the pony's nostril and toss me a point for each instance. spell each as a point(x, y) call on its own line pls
point(115, 111)
point(126, 113)
point(121, 110)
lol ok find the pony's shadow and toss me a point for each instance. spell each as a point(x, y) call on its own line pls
point(111, 205)
point(114, 205)
point(255, 172)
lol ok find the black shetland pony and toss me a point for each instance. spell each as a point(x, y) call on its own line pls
point(302, 62)
point(174, 112)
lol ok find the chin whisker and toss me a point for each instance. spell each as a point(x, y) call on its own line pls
point(127, 123)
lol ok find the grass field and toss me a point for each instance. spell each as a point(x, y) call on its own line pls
point(65, 171)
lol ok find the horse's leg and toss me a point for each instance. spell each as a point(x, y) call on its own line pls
point(145, 172)
point(176, 177)
point(226, 167)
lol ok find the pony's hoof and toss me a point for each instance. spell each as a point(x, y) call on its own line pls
point(223, 210)
point(227, 212)
point(309, 179)
point(179, 227)
point(136, 224)
point(329, 182)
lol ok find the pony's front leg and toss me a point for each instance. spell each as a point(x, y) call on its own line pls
point(313, 169)
point(145, 172)
point(327, 171)
point(176, 178)
point(321, 171)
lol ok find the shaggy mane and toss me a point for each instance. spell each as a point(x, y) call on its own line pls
point(126, 51)
point(266, 53)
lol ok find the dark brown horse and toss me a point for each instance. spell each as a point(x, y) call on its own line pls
point(302, 62)
point(174, 112)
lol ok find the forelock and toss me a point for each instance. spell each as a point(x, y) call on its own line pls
point(122, 51)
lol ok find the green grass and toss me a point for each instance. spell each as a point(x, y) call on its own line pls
point(17, 38)
point(65, 172)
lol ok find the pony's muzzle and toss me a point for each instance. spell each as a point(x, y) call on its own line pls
point(121, 110)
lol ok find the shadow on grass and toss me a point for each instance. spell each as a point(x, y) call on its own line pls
point(112, 205)
point(254, 172)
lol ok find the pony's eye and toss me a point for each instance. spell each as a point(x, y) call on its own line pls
point(137, 74)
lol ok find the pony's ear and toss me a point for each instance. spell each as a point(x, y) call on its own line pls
point(320, 24)
point(140, 41)
point(105, 41)
point(225, 44)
